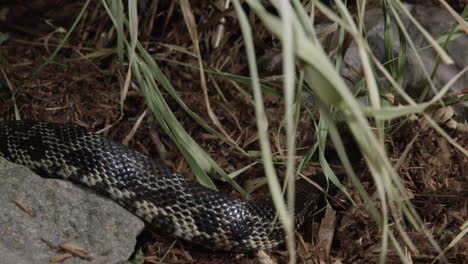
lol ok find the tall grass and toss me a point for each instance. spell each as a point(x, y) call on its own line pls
point(317, 71)
point(330, 88)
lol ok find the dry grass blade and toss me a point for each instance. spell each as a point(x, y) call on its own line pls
point(458, 238)
point(262, 126)
point(192, 28)
point(24, 208)
point(459, 19)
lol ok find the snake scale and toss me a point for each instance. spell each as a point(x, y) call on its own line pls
point(167, 201)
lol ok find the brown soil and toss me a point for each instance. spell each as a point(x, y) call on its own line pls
point(87, 93)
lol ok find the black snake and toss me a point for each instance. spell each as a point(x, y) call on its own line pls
point(166, 200)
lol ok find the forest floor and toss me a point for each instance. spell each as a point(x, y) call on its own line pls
point(87, 92)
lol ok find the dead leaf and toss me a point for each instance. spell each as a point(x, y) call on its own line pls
point(443, 114)
point(326, 232)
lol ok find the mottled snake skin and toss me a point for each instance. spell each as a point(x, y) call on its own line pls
point(166, 200)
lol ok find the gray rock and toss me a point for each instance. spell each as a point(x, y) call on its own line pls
point(63, 212)
point(437, 21)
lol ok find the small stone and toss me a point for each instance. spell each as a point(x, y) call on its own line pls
point(61, 212)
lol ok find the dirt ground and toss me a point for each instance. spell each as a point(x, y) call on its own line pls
point(86, 92)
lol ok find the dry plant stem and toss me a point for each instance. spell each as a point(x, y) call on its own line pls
point(134, 129)
point(457, 17)
point(405, 152)
point(24, 208)
point(192, 28)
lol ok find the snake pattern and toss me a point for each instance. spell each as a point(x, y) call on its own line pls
point(168, 202)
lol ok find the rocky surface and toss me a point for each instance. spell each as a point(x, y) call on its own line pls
point(437, 21)
point(55, 212)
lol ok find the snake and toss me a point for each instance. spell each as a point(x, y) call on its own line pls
point(167, 201)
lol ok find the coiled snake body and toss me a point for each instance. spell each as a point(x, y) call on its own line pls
point(164, 199)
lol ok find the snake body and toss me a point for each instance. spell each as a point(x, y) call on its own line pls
point(164, 199)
